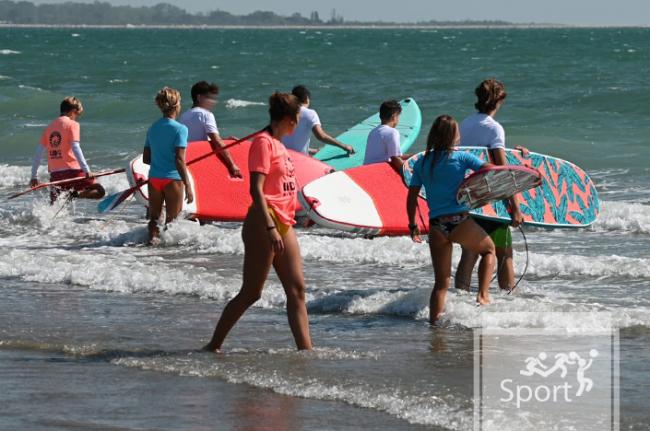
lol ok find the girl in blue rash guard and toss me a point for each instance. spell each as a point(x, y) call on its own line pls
point(441, 171)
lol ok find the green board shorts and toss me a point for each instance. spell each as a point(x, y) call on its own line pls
point(499, 232)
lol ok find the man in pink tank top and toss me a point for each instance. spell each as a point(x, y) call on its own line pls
point(65, 160)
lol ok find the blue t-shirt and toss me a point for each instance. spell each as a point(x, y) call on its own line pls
point(163, 137)
point(441, 183)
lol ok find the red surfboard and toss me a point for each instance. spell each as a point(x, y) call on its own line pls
point(371, 199)
point(217, 196)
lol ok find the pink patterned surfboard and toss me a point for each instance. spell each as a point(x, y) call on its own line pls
point(566, 198)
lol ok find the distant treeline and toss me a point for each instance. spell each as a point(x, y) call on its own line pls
point(102, 13)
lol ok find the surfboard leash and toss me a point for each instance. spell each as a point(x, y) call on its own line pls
point(521, 229)
point(523, 274)
point(68, 199)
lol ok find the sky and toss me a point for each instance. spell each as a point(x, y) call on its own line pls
point(576, 12)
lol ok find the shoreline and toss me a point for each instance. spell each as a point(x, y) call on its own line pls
point(322, 27)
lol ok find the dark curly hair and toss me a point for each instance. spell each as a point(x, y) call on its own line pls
point(489, 93)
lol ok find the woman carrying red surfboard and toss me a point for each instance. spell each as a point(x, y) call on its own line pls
point(441, 171)
point(269, 238)
point(164, 150)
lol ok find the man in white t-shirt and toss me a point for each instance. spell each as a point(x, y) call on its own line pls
point(307, 124)
point(482, 130)
point(201, 124)
point(383, 143)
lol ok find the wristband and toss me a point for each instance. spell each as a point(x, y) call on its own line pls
point(270, 228)
point(412, 226)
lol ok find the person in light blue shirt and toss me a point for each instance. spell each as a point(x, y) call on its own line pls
point(163, 138)
point(441, 171)
point(164, 151)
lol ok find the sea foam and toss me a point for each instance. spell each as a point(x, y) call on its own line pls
point(236, 103)
point(425, 409)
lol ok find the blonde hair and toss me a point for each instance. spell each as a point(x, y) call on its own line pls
point(168, 100)
point(70, 104)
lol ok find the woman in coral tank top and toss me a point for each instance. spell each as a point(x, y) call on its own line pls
point(269, 238)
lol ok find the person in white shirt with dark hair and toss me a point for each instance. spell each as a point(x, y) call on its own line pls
point(384, 140)
point(308, 124)
point(202, 125)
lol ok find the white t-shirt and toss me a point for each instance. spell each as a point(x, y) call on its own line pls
point(481, 130)
point(199, 123)
point(299, 139)
point(383, 143)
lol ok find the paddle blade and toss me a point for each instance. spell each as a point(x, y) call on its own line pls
point(111, 202)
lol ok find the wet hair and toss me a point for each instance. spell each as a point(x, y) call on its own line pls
point(203, 87)
point(441, 138)
point(302, 93)
point(489, 93)
point(282, 105)
point(167, 100)
point(70, 104)
point(388, 108)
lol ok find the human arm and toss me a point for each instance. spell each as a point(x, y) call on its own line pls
point(322, 136)
point(524, 151)
point(79, 155)
point(180, 146)
point(216, 142)
point(146, 152)
point(259, 202)
point(396, 162)
point(146, 156)
point(499, 159)
point(36, 162)
point(411, 207)
point(182, 171)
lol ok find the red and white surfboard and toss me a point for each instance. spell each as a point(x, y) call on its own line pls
point(369, 200)
point(372, 199)
point(217, 196)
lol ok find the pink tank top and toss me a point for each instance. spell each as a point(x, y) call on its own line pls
point(268, 156)
point(57, 140)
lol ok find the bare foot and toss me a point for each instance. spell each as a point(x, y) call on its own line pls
point(433, 320)
point(209, 348)
point(482, 300)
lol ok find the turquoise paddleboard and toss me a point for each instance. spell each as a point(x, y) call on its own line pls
point(409, 128)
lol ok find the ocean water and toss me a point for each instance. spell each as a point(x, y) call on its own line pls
point(98, 331)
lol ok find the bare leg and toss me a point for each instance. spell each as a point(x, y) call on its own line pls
point(95, 191)
point(258, 257)
point(471, 236)
point(173, 193)
point(463, 278)
point(441, 250)
point(156, 198)
point(505, 267)
point(288, 266)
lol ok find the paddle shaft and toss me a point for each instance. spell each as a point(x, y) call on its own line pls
point(66, 181)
